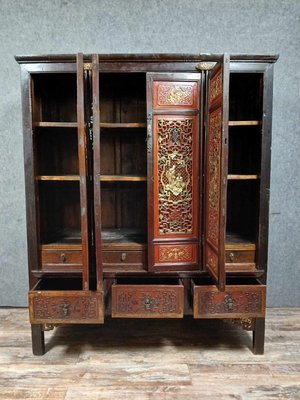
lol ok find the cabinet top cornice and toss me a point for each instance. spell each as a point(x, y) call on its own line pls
point(143, 57)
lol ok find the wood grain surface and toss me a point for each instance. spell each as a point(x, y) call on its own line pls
point(151, 359)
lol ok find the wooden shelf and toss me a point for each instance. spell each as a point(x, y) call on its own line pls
point(122, 178)
point(233, 177)
point(245, 123)
point(238, 242)
point(58, 177)
point(55, 124)
point(122, 236)
point(114, 125)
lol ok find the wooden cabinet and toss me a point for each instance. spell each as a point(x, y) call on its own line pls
point(147, 185)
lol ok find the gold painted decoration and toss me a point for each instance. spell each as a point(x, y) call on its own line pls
point(175, 143)
point(215, 87)
point(172, 95)
point(179, 253)
point(212, 260)
point(213, 175)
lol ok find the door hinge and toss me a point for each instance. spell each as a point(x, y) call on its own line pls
point(205, 66)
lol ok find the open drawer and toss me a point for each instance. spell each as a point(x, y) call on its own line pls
point(243, 297)
point(147, 298)
point(63, 301)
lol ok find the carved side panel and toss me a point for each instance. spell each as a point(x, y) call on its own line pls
point(182, 95)
point(175, 253)
point(216, 88)
point(213, 176)
point(175, 171)
point(248, 301)
point(140, 301)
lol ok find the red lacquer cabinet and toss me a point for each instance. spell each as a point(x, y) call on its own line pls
point(147, 187)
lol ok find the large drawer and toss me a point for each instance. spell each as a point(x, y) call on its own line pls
point(241, 298)
point(56, 259)
point(62, 301)
point(154, 298)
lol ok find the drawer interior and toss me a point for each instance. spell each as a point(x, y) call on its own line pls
point(147, 281)
point(230, 281)
point(54, 284)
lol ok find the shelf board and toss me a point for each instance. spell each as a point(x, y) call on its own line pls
point(238, 242)
point(233, 177)
point(58, 177)
point(245, 123)
point(123, 236)
point(115, 125)
point(43, 124)
point(122, 178)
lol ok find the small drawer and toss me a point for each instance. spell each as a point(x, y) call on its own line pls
point(62, 301)
point(124, 257)
point(147, 298)
point(240, 259)
point(61, 257)
point(241, 298)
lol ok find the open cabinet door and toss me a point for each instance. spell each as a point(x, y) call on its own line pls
point(216, 156)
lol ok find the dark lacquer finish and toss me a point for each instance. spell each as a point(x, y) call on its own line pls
point(147, 180)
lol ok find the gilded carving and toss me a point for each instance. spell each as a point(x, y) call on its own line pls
point(175, 175)
point(179, 253)
point(212, 260)
point(172, 95)
point(245, 323)
point(213, 175)
point(215, 87)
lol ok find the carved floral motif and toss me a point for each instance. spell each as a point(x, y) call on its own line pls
point(215, 87)
point(179, 253)
point(172, 95)
point(175, 175)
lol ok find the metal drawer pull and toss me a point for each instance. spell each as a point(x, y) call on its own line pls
point(231, 256)
point(63, 257)
point(229, 302)
point(65, 309)
point(123, 256)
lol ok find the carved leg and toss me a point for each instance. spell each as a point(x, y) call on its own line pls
point(38, 339)
point(259, 336)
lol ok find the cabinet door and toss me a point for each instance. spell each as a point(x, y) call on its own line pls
point(216, 154)
point(173, 103)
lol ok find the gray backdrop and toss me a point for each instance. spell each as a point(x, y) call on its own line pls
point(132, 26)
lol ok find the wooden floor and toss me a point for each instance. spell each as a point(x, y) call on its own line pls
point(151, 359)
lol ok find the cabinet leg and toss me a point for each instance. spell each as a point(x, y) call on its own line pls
point(259, 336)
point(38, 340)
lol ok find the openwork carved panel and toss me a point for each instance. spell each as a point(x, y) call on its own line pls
point(147, 301)
point(237, 301)
point(215, 87)
point(213, 175)
point(175, 94)
point(174, 175)
point(179, 253)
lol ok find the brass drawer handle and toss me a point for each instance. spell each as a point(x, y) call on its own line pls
point(229, 302)
point(63, 257)
point(231, 257)
point(65, 309)
point(123, 256)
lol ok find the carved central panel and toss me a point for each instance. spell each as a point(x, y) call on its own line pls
point(175, 142)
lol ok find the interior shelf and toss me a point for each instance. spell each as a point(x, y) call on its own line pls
point(245, 123)
point(124, 125)
point(62, 238)
point(48, 124)
point(235, 241)
point(58, 177)
point(122, 178)
point(242, 177)
point(124, 235)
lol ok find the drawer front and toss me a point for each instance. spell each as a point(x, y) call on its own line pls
point(166, 254)
point(66, 307)
point(61, 257)
point(240, 259)
point(236, 302)
point(119, 257)
point(181, 95)
point(147, 301)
